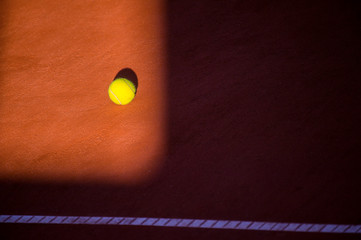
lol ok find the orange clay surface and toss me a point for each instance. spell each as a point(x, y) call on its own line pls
point(57, 122)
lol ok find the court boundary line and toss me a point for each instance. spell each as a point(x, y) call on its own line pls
point(185, 223)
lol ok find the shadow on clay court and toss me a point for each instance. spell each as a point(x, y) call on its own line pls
point(262, 126)
point(129, 74)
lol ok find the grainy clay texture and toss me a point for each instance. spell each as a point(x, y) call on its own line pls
point(247, 112)
point(57, 60)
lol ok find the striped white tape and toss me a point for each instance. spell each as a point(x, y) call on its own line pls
point(184, 223)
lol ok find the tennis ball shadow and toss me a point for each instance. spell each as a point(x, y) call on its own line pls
point(128, 74)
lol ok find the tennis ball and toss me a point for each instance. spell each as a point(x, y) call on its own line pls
point(121, 91)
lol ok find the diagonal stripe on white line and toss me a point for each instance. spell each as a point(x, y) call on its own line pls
point(185, 223)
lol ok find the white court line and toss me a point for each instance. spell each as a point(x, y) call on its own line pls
point(184, 223)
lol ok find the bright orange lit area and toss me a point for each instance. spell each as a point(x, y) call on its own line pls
point(57, 122)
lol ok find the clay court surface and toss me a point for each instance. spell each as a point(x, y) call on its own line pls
point(245, 110)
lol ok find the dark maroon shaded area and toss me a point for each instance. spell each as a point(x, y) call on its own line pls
point(263, 125)
point(264, 116)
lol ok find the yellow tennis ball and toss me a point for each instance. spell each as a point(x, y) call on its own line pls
point(121, 91)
